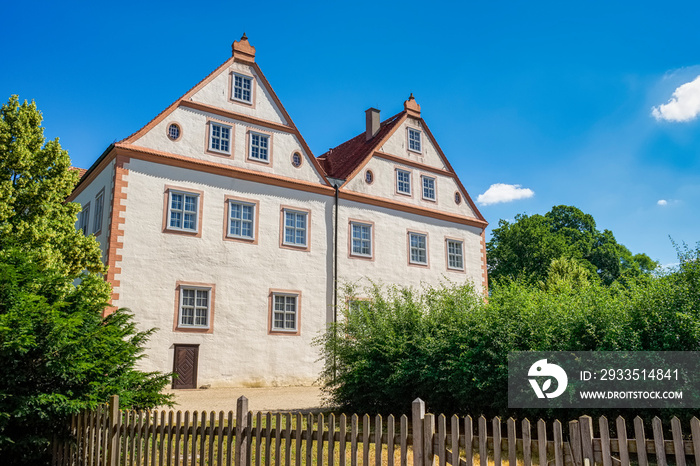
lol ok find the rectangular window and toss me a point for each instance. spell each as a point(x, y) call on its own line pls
point(414, 140)
point(241, 220)
point(194, 307)
point(403, 181)
point(219, 137)
point(99, 207)
point(259, 147)
point(428, 188)
point(418, 248)
point(284, 312)
point(242, 88)
point(361, 239)
point(84, 219)
point(295, 228)
point(182, 211)
point(455, 255)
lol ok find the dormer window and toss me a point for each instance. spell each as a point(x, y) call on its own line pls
point(242, 88)
point(414, 140)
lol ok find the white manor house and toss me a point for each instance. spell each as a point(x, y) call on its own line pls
point(224, 231)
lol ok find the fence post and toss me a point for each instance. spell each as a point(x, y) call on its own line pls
point(417, 416)
point(113, 439)
point(586, 426)
point(242, 431)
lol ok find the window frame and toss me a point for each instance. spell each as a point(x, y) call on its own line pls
point(227, 218)
point(351, 252)
point(410, 179)
point(409, 130)
point(210, 138)
point(232, 89)
point(99, 212)
point(271, 329)
point(449, 240)
point(179, 131)
point(180, 286)
point(422, 183)
point(84, 221)
point(249, 147)
point(411, 262)
point(301, 159)
point(169, 190)
point(283, 227)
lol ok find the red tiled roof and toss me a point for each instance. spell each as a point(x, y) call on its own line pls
point(81, 171)
point(340, 161)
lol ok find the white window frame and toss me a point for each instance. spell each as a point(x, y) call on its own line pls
point(295, 228)
point(284, 312)
point(415, 144)
point(406, 182)
point(220, 138)
point(459, 255)
point(251, 145)
point(251, 221)
point(84, 223)
point(99, 209)
point(417, 248)
point(234, 87)
point(361, 239)
point(432, 188)
point(196, 306)
point(182, 210)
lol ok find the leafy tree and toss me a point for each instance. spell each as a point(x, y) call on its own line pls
point(57, 354)
point(526, 248)
point(35, 180)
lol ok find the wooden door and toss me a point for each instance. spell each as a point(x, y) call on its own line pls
point(185, 366)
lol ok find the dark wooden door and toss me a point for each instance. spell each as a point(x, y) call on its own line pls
point(185, 366)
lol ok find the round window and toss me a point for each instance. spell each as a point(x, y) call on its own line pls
point(369, 177)
point(458, 198)
point(296, 159)
point(174, 131)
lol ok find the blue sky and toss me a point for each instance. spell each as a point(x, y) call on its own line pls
point(552, 97)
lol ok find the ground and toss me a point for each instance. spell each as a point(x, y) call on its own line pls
point(303, 399)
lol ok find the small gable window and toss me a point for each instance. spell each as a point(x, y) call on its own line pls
point(428, 188)
point(458, 198)
point(414, 140)
point(369, 177)
point(259, 147)
point(174, 131)
point(219, 138)
point(296, 160)
point(403, 182)
point(242, 88)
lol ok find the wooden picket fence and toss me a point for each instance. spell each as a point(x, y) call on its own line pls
point(110, 437)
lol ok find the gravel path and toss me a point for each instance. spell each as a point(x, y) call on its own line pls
point(303, 399)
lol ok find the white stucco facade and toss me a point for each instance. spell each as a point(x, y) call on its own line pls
point(230, 252)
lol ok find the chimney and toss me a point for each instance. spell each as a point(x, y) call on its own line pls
point(372, 123)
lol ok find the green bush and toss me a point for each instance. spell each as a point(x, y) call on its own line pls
point(449, 346)
point(59, 356)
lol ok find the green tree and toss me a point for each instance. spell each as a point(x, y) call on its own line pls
point(35, 180)
point(525, 248)
point(58, 355)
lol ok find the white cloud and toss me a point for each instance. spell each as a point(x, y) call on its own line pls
point(501, 192)
point(662, 202)
point(684, 105)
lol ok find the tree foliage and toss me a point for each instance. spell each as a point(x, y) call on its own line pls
point(449, 347)
point(58, 355)
point(35, 180)
point(525, 248)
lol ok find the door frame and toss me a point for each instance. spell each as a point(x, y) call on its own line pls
point(196, 363)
